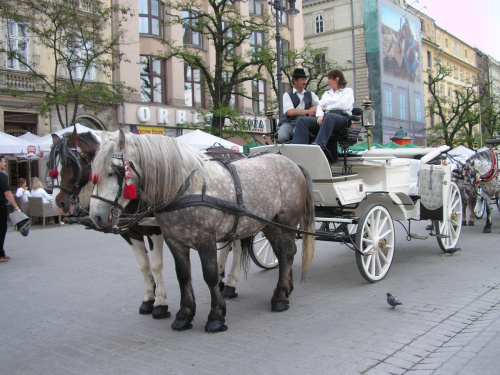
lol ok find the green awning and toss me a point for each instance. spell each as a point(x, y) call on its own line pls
point(393, 145)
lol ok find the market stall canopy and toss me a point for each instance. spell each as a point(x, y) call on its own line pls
point(364, 146)
point(10, 145)
point(45, 143)
point(392, 145)
point(461, 150)
point(201, 141)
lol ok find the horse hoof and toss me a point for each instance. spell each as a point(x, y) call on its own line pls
point(221, 285)
point(486, 230)
point(181, 325)
point(161, 312)
point(213, 326)
point(464, 223)
point(471, 223)
point(229, 292)
point(279, 306)
point(429, 227)
point(146, 307)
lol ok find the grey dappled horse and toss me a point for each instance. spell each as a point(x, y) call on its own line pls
point(483, 167)
point(199, 202)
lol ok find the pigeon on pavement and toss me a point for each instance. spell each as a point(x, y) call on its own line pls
point(393, 301)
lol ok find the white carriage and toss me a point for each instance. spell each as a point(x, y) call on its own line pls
point(382, 186)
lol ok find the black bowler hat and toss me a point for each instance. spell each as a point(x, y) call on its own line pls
point(299, 73)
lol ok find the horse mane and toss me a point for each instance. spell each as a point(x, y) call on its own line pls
point(164, 163)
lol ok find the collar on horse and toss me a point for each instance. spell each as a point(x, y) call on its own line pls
point(492, 172)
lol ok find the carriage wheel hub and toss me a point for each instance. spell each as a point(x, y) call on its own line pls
point(454, 216)
point(382, 243)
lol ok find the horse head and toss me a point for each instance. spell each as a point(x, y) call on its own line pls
point(115, 180)
point(69, 164)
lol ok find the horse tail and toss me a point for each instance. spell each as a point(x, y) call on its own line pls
point(307, 223)
point(246, 248)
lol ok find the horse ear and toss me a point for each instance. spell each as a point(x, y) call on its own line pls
point(73, 139)
point(55, 139)
point(121, 140)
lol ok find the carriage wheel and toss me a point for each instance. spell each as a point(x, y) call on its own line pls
point(480, 207)
point(451, 226)
point(375, 239)
point(262, 253)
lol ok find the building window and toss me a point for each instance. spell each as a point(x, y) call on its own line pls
point(402, 106)
point(418, 110)
point(455, 70)
point(461, 74)
point(285, 47)
point(429, 59)
point(449, 94)
point(255, 7)
point(388, 103)
point(228, 36)
point(193, 93)
point(150, 17)
point(446, 43)
point(258, 96)
point(467, 76)
point(465, 53)
point(153, 80)
point(226, 76)
point(321, 61)
point(319, 24)
point(80, 61)
point(190, 37)
point(284, 15)
point(256, 41)
point(18, 45)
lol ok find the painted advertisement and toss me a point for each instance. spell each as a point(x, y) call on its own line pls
point(402, 83)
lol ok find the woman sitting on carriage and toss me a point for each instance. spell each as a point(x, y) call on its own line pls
point(332, 112)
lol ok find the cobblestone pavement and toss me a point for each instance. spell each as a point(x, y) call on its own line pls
point(69, 302)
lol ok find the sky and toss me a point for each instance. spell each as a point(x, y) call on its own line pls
point(476, 22)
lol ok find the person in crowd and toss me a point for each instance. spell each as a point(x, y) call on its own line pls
point(22, 190)
point(5, 196)
point(297, 102)
point(37, 190)
point(332, 112)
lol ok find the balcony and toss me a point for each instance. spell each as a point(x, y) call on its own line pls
point(12, 80)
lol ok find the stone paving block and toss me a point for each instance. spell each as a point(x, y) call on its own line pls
point(389, 369)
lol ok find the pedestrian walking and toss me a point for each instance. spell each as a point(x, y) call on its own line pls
point(5, 196)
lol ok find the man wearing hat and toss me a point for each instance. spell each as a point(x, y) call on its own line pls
point(297, 102)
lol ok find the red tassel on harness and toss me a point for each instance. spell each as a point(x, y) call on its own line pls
point(93, 178)
point(130, 192)
point(53, 173)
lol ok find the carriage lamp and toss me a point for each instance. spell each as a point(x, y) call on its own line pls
point(368, 119)
point(475, 145)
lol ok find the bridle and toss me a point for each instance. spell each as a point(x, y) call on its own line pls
point(122, 173)
point(75, 155)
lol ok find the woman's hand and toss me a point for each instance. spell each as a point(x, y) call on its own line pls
point(320, 120)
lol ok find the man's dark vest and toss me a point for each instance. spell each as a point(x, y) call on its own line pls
point(296, 102)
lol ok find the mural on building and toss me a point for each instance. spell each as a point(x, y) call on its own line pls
point(401, 73)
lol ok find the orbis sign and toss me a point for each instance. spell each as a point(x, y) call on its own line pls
point(147, 130)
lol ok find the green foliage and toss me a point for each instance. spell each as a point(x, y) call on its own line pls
point(457, 113)
point(80, 48)
point(221, 24)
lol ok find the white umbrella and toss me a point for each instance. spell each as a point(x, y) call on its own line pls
point(45, 143)
point(201, 141)
point(10, 145)
point(30, 137)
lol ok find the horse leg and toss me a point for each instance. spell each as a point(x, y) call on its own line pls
point(464, 207)
point(160, 309)
point(284, 247)
point(141, 255)
point(229, 290)
point(187, 310)
point(472, 205)
point(487, 227)
point(208, 258)
point(221, 264)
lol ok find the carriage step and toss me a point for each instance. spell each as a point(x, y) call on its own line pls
point(418, 237)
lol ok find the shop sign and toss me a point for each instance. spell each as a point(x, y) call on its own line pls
point(256, 125)
point(155, 130)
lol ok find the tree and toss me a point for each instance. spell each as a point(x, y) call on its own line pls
point(314, 62)
point(227, 30)
point(490, 110)
point(81, 47)
point(457, 111)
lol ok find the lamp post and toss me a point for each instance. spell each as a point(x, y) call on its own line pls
point(368, 120)
point(279, 8)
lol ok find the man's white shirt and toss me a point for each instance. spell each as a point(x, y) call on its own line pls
point(287, 100)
